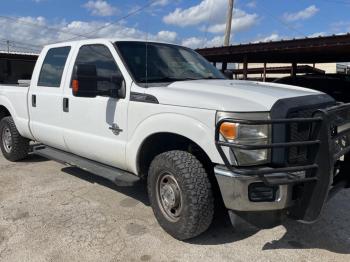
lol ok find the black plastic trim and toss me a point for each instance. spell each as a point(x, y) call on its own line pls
point(283, 107)
point(144, 98)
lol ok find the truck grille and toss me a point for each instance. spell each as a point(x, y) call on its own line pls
point(298, 132)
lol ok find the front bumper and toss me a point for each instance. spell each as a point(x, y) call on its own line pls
point(328, 140)
point(235, 192)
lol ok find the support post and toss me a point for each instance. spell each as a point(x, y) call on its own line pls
point(224, 67)
point(245, 68)
point(228, 23)
point(228, 29)
point(264, 76)
point(294, 70)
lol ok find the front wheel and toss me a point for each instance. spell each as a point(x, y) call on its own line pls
point(180, 194)
point(14, 147)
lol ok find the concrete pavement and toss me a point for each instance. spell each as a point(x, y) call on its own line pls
point(50, 212)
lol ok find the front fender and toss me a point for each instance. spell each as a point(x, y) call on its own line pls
point(191, 128)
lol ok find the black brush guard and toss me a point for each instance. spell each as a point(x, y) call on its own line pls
point(325, 146)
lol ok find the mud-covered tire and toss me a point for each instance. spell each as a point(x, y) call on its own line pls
point(197, 201)
point(19, 145)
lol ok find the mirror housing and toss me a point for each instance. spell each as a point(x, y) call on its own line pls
point(120, 91)
point(85, 82)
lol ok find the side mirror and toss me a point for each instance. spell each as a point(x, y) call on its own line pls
point(85, 82)
point(120, 90)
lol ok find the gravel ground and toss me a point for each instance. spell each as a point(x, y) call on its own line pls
point(50, 212)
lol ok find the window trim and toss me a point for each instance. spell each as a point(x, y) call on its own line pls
point(64, 67)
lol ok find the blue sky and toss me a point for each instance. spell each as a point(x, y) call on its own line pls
point(33, 23)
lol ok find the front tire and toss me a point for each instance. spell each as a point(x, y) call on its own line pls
point(180, 194)
point(14, 147)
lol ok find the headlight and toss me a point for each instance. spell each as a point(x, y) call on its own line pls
point(246, 134)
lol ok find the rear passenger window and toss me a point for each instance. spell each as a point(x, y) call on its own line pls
point(53, 66)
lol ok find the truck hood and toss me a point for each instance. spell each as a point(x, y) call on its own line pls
point(226, 95)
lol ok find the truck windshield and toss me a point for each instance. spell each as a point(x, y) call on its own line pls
point(158, 63)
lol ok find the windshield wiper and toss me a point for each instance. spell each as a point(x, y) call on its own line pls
point(167, 79)
point(212, 77)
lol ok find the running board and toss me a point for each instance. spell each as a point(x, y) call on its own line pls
point(115, 175)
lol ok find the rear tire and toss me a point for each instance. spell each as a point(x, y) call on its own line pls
point(14, 147)
point(180, 194)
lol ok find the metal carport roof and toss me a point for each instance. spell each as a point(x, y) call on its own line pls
point(325, 49)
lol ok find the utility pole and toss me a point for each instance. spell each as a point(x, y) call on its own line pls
point(228, 23)
point(228, 29)
point(8, 46)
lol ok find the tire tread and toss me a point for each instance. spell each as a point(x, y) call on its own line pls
point(197, 189)
point(20, 147)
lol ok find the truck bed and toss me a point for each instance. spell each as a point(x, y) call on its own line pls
point(17, 95)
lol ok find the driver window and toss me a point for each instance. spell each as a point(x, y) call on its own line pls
point(106, 67)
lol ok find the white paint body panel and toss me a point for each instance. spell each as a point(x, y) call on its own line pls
point(185, 108)
point(14, 99)
point(226, 95)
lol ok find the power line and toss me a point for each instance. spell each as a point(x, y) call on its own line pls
point(281, 21)
point(87, 35)
point(18, 44)
point(25, 48)
point(19, 20)
point(9, 44)
point(13, 41)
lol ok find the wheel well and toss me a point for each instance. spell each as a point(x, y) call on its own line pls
point(4, 112)
point(162, 142)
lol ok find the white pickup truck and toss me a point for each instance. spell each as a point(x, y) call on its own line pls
point(131, 110)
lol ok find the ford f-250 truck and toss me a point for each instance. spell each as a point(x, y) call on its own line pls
point(131, 110)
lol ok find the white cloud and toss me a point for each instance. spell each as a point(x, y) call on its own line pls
point(301, 15)
point(166, 36)
point(340, 27)
point(38, 31)
point(161, 2)
point(251, 4)
point(318, 34)
point(272, 37)
point(213, 11)
point(199, 42)
point(100, 8)
point(213, 14)
point(241, 21)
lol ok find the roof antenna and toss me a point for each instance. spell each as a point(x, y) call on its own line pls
point(147, 60)
point(146, 53)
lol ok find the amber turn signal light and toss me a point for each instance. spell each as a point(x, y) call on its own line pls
point(229, 130)
point(75, 86)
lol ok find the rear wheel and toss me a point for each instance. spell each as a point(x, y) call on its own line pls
point(13, 146)
point(180, 194)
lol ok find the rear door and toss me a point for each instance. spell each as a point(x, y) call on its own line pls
point(45, 98)
point(96, 128)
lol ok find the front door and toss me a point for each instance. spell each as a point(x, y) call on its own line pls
point(95, 128)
